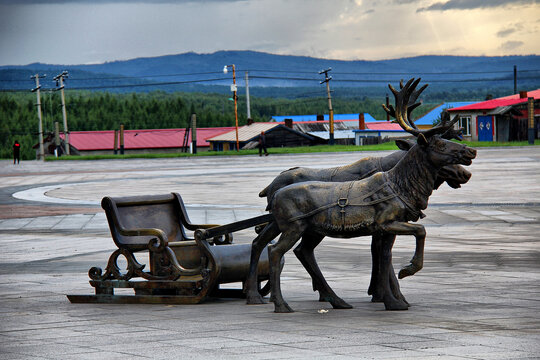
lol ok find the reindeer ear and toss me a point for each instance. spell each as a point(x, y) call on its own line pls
point(422, 141)
point(403, 144)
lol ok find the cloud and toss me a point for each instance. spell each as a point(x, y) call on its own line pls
point(510, 29)
point(511, 45)
point(474, 4)
point(505, 32)
point(97, 2)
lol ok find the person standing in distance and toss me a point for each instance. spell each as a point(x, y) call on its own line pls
point(16, 152)
point(262, 144)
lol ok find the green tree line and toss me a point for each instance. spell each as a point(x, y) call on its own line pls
point(155, 110)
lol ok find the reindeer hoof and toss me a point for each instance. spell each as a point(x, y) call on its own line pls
point(254, 299)
point(408, 271)
point(377, 299)
point(395, 305)
point(340, 304)
point(284, 308)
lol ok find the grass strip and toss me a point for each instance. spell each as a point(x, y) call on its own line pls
point(284, 150)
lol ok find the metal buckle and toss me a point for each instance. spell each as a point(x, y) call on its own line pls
point(342, 202)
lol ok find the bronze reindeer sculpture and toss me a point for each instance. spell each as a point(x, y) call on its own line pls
point(381, 205)
point(454, 175)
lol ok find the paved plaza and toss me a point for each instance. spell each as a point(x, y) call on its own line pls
point(477, 296)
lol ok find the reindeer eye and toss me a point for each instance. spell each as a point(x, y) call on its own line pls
point(441, 147)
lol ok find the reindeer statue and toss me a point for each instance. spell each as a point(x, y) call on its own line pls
point(381, 205)
point(454, 175)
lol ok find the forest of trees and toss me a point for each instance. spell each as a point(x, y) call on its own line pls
point(154, 110)
point(87, 110)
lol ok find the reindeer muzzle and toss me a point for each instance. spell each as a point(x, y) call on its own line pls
point(467, 155)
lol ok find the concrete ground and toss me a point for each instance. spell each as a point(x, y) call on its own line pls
point(476, 298)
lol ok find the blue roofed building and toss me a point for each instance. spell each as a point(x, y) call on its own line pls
point(426, 121)
point(302, 118)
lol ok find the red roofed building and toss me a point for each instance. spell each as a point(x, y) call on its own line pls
point(141, 141)
point(379, 131)
point(502, 119)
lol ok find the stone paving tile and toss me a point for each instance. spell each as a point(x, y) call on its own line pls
point(17, 356)
point(14, 224)
point(100, 355)
point(197, 216)
point(73, 222)
point(45, 222)
point(220, 216)
point(97, 222)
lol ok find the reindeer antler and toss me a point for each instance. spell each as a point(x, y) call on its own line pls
point(412, 101)
point(451, 133)
point(405, 104)
point(403, 97)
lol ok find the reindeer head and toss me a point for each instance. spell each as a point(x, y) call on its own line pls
point(454, 175)
point(440, 152)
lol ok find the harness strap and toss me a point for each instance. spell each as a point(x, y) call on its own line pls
point(416, 213)
point(343, 202)
point(312, 212)
point(334, 172)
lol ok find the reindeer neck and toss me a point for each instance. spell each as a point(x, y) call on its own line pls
point(389, 161)
point(413, 178)
point(363, 167)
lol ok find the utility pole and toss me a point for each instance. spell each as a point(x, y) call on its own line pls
point(115, 149)
point(330, 110)
point(57, 139)
point(247, 97)
point(60, 82)
point(387, 105)
point(515, 79)
point(193, 133)
point(38, 104)
point(530, 113)
point(235, 98)
point(121, 139)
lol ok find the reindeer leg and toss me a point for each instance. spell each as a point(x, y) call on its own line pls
point(304, 253)
point(373, 290)
point(303, 259)
point(376, 243)
point(394, 285)
point(390, 301)
point(269, 232)
point(275, 254)
point(419, 232)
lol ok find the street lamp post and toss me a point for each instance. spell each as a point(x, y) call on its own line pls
point(233, 89)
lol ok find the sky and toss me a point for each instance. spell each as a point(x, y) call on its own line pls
point(95, 31)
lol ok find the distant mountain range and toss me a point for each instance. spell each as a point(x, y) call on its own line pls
point(204, 72)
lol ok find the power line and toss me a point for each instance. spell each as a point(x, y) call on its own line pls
point(145, 84)
point(431, 73)
point(394, 73)
point(147, 76)
point(288, 71)
point(386, 80)
point(283, 78)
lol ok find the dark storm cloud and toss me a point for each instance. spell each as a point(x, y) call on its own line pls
point(474, 4)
